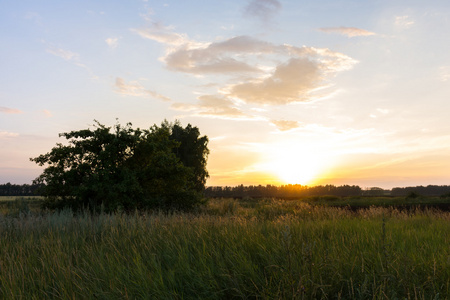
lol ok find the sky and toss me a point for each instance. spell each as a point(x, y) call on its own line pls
point(309, 92)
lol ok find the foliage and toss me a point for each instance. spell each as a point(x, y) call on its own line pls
point(125, 169)
point(192, 152)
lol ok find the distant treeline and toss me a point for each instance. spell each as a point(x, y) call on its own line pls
point(272, 191)
point(297, 190)
point(429, 190)
point(283, 191)
point(9, 189)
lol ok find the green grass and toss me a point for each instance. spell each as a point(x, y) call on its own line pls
point(363, 202)
point(16, 205)
point(228, 250)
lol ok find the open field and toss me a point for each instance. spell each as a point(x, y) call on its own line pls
point(402, 203)
point(268, 249)
point(15, 205)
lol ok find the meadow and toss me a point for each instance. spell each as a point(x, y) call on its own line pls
point(228, 249)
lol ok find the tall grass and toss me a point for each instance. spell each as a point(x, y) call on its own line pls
point(229, 250)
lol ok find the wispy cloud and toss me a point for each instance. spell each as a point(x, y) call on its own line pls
point(69, 56)
point(7, 110)
point(263, 10)
point(163, 34)
point(112, 42)
point(347, 31)
point(380, 111)
point(213, 106)
point(47, 113)
point(6, 134)
point(134, 88)
point(383, 111)
point(64, 54)
point(34, 16)
point(404, 22)
point(444, 73)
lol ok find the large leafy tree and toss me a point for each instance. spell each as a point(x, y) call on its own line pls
point(121, 167)
point(192, 151)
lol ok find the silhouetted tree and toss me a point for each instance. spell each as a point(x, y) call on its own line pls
point(127, 168)
point(192, 151)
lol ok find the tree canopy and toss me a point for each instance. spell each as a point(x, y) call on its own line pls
point(124, 168)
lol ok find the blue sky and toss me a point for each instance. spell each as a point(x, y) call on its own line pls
point(310, 92)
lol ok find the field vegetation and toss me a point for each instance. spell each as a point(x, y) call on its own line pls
point(227, 249)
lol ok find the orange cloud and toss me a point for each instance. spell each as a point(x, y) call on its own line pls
point(291, 82)
point(285, 125)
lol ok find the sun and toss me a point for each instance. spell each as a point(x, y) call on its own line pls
point(296, 164)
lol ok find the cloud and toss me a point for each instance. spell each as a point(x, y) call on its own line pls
point(403, 22)
point(134, 88)
point(214, 106)
point(71, 57)
point(264, 10)
point(293, 81)
point(64, 54)
point(162, 34)
point(6, 134)
point(285, 125)
point(112, 42)
point(259, 72)
point(34, 16)
point(383, 111)
point(444, 73)
point(7, 110)
point(47, 113)
point(188, 56)
point(347, 31)
point(241, 54)
point(219, 57)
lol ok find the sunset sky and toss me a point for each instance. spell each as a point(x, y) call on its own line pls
point(309, 92)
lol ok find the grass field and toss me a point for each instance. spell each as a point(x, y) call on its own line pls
point(230, 249)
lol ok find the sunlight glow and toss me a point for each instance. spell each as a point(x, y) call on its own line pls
point(296, 164)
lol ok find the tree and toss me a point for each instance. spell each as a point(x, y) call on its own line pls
point(192, 152)
point(127, 168)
